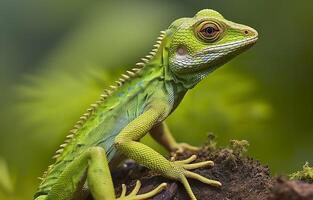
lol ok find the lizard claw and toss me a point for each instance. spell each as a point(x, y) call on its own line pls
point(133, 194)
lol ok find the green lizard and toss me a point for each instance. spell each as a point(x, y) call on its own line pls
point(141, 100)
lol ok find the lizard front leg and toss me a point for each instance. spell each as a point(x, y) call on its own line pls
point(163, 135)
point(92, 162)
point(127, 143)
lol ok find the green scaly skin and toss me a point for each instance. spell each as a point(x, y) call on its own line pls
point(143, 98)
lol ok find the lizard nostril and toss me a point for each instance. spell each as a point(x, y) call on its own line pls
point(246, 32)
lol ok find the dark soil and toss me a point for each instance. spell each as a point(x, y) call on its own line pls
point(242, 178)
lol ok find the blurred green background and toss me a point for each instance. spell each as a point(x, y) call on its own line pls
point(57, 56)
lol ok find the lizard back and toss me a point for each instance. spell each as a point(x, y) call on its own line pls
point(107, 117)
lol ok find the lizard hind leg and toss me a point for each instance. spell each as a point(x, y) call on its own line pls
point(92, 162)
point(91, 165)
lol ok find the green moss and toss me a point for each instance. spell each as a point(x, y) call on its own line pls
point(210, 144)
point(305, 175)
point(239, 147)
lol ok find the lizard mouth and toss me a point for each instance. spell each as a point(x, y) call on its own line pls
point(231, 46)
point(228, 50)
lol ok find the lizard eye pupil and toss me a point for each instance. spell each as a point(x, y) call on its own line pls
point(210, 30)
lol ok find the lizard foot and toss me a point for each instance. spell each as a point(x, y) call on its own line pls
point(133, 195)
point(187, 165)
point(183, 168)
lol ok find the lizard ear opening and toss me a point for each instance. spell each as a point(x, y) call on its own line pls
point(182, 50)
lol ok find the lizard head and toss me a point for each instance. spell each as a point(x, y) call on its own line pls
point(199, 45)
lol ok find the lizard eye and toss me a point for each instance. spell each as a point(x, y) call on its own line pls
point(208, 31)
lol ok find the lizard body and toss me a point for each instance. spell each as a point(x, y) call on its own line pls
point(140, 101)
